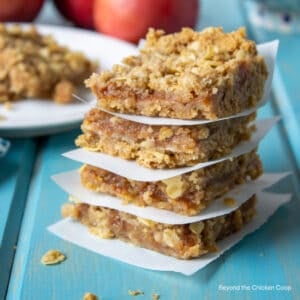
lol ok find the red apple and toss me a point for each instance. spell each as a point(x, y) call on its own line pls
point(130, 19)
point(80, 12)
point(19, 10)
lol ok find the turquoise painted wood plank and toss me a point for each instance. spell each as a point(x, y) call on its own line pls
point(15, 174)
point(268, 256)
point(286, 80)
point(225, 14)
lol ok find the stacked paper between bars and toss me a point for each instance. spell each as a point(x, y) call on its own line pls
point(181, 212)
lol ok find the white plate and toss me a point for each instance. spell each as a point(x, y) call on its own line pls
point(32, 117)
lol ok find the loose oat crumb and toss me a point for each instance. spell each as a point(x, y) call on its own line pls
point(8, 105)
point(135, 292)
point(229, 201)
point(90, 296)
point(52, 257)
point(155, 297)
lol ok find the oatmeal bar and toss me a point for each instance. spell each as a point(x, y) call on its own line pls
point(33, 65)
point(186, 75)
point(186, 194)
point(162, 146)
point(182, 241)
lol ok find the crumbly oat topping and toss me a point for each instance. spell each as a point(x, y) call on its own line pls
point(172, 62)
point(52, 257)
point(90, 296)
point(188, 75)
point(35, 65)
point(135, 292)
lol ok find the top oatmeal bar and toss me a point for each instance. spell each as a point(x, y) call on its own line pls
point(186, 75)
point(34, 65)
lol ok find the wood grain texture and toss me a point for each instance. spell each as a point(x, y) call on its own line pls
point(15, 175)
point(270, 256)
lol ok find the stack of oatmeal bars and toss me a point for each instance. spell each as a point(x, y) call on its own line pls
point(208, 75)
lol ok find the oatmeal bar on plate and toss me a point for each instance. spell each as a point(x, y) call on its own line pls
point(33, 65)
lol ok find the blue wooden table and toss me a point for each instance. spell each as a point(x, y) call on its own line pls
point(30, 202)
